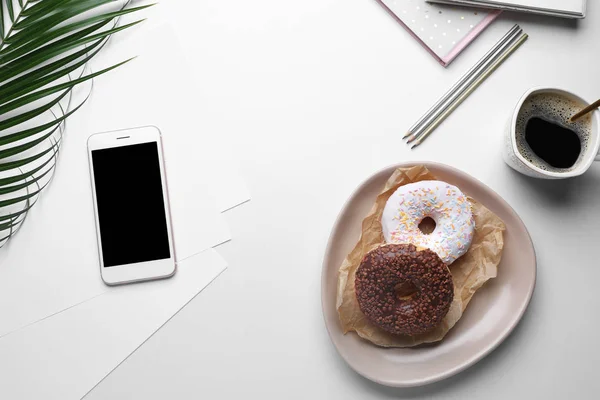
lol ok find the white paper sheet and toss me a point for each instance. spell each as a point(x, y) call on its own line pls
point(65, 356)
point(52, 264)
point(159, 88)
point(145, 92)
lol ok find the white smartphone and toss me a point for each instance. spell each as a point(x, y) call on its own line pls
point(131, 204)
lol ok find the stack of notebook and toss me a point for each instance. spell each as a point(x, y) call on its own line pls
point(443, 30)
point(559, 8)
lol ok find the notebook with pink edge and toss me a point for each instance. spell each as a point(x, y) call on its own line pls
point(443, 30)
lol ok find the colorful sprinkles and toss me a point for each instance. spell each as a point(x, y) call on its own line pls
point(442, 202)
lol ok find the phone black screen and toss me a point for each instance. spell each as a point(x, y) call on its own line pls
point(131, 207)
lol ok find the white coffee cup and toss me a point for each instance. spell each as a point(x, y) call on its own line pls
point(515, 160)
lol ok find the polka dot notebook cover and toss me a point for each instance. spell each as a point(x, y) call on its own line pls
point(443, 30)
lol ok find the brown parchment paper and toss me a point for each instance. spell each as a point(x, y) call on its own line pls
point(469, 272)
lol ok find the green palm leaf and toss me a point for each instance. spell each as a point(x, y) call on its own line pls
point(42, 7)
point(17, 214)
point(1, 20)
point(28, 35)
point(15, 188)
point(24, 134)
point(30, 98)
point(36, 75)
point(28, 115)
point(23, 176)
point(11, 12)
point(48, 52)
point(59, 13)
point(8, 165)
point(20, 199)
point(45, 46)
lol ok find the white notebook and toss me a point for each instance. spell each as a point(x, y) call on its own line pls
point(559, 8)
point(443, 30)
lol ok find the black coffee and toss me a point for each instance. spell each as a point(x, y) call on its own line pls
point(560, 147)
point(546, 137)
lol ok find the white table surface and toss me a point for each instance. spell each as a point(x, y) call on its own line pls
point(315, 96)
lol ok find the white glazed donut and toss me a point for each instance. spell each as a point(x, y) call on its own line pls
point(442, 202)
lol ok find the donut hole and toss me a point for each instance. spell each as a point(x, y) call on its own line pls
point(405, 290)
point(427, 225)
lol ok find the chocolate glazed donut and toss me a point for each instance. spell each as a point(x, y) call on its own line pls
point(404, 291)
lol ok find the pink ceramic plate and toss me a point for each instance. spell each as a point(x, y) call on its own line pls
point(490, 317)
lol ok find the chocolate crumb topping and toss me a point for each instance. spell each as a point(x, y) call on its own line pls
point(404, 291)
